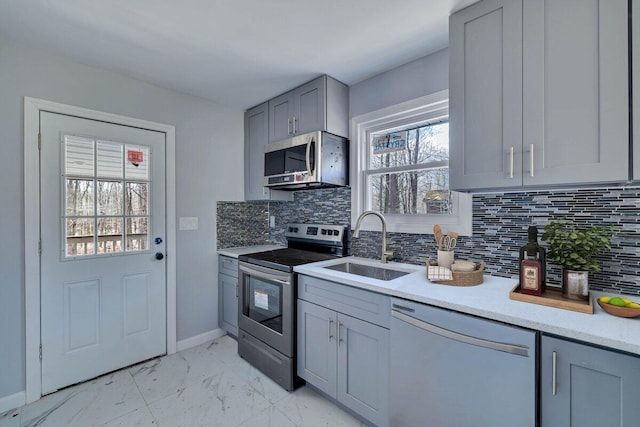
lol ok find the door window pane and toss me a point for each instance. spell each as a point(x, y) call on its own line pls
point(110, 160)
point(79, 236)
point(79, 197)
point(109, 198)
point(78, 156)
point(137, 200)
point(137, 164)
point(137, 234)
point(109, 235)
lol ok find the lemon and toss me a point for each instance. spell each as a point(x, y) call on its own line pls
point(617, 301)
point(627, 301)
point(633, 305)
point(604, 299)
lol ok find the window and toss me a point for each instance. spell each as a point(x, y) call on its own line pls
point(401, 167)
point(106, 203)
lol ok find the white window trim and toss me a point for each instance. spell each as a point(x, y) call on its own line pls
point(418, 110)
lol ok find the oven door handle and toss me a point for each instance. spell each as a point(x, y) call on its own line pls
point(263, 275)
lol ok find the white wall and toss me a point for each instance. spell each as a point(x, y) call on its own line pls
point(209, 159)
point(423, 76)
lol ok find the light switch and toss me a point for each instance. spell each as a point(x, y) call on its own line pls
point(188, 223)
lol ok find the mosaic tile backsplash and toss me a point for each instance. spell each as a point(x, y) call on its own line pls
point(500, 222)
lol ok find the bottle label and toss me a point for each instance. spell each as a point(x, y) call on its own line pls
point(530, 278)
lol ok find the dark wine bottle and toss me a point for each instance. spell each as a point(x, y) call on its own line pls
point(532, 265)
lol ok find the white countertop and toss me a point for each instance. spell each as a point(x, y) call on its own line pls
point(243, 250)
point(491, 300)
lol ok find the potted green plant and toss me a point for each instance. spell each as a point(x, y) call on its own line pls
point(574, 249)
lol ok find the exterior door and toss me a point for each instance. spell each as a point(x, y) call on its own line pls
point(103, 278)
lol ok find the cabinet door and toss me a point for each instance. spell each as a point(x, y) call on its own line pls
point(281, 117)
point(593, 387)
point(363, 368)
point(635, 36)
point(256, 136)
point(228, 294)
point(317, 346)
point(485, 95)
point(309, 107)
point(575, 91)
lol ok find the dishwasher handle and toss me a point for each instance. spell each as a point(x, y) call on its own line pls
point(466, 339)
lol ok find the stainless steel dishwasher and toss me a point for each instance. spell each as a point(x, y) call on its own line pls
point(450, 369)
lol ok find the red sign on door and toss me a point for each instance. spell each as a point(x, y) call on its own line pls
point(134, 156)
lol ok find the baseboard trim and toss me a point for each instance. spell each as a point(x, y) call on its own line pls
point(199, 339)
point(12, 401)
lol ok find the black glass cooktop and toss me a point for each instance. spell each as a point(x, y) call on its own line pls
point(285, 259)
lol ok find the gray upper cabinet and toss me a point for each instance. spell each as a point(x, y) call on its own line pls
point(585, 386)
point(256, 136)
point(635, 36)
point(575, 90)
point(567, 61)
point(322, 104)
point(485, 104)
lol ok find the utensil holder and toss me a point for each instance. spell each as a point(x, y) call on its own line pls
point(445, 258)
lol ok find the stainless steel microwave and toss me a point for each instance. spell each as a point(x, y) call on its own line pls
point(312, 160)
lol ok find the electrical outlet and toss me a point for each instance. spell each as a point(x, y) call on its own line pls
point(272, 221)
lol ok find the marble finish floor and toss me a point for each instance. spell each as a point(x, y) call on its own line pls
point(208, 385)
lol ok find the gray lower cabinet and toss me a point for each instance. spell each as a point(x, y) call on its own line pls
point(585, 386)
point(256, 136)
point(539, 93)
point(345, 357)
point(228, 294)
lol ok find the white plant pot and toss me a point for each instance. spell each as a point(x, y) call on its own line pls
point(575, 284)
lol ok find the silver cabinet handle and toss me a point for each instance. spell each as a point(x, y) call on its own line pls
point(466, 339)
point(339, 335)
point(554, 372)
point(294, 124)
point(531, 172)
point(289, 127)
point(329, 323)
point(511, 162)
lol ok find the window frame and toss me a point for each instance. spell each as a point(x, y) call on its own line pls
point(420, 111)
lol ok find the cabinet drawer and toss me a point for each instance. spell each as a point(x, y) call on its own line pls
point(369, 306)
point(228, 265)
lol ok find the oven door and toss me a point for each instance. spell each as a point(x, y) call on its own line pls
point(265, 305)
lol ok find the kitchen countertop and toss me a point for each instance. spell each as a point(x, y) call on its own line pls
point(491, 300)
point(243, 250)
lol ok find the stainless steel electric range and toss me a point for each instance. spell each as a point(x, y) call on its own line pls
point(268, 293)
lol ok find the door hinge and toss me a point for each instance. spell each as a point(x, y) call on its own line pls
point(40, 247)
point(39, 141)
point(40, 351)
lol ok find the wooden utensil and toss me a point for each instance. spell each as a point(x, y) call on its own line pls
point(437, 233)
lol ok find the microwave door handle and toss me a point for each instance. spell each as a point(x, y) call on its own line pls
point(309, 144)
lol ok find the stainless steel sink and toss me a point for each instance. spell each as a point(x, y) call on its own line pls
point(367, 271)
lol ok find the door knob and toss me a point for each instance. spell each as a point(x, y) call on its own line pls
point(159, 255)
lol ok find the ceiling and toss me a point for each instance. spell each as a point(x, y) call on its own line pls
point(234, 52)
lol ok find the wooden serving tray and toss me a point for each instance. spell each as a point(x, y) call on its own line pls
point(552, 297)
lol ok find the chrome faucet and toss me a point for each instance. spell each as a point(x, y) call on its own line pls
point(385, 254)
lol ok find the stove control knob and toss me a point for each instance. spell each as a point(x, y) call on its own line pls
point(336, 232)
point(324, 231)
point(295, 229)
